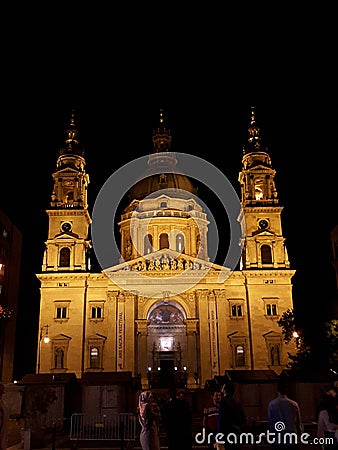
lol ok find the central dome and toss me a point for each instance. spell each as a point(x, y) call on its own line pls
point(154, 183)
point(161, 173)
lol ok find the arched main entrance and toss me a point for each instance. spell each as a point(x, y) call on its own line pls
point(167, 345)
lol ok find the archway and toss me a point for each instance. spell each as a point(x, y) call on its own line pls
point(167, 345)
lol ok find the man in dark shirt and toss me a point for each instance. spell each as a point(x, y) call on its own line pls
point(231, 418)
point(177, 421)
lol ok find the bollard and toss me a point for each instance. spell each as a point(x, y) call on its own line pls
point(54, 436)
point(27, 438)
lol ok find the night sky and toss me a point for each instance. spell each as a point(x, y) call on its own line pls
point(206, 88)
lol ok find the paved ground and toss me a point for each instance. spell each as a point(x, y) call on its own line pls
point(14, 431)
point(62, 442)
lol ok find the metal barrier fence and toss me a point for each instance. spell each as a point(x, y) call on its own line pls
point(113, 427)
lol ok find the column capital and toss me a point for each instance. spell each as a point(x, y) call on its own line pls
point(192, 325)
point(202, 293)
point(113, 294)
point(142, 326)
point(220, 294)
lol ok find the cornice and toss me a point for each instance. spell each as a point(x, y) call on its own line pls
point(278, 273)
point(263, 209)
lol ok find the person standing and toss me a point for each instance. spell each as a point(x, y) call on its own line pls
point(149, 417)
point(326, 423)
point(231, 418)
point(4, 417)
point(284, 419)
point(210, 418)
point(177, 421)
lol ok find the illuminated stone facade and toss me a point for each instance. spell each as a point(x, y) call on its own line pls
point(163, 312)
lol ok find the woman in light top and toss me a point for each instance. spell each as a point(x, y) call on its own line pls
point(149, 417)
point(326, 427)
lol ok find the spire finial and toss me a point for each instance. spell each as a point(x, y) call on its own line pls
point(72, 131)
point(161, 116)
point(254, 137)
point(71, 145)
point(161, 136)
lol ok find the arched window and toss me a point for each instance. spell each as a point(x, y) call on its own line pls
point(94, 358)
point(180, 243)
point(164, 241)
point(64, 257)
point(69, 197)
point(266, 254)
point(239, 356)
point(148, 244)
point(259, 193)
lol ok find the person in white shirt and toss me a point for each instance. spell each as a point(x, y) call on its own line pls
point(285, 419)
point(326, 427)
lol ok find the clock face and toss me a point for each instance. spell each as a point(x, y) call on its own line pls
point(66, 226)
point(263, 224)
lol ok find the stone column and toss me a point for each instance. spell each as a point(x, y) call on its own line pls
point(192, 357)
point(203, 336)
point(193, 236)
point(142, 366)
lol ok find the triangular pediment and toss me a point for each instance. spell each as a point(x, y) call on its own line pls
point(97, 337)
point(260, 167)
point(165, 260)
point(64, 235)
point(272, 334)
point(263, 233)
point(61, 337)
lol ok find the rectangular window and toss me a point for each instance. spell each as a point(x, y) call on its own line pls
point(271, 309)
point(94, 358)
point(240, 356)
point(61, 312)
point(96, 312)
point(236, 311)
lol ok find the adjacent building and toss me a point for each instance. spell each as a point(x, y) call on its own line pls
point(10, 260)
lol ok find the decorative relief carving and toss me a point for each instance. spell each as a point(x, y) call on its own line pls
point(165, 263)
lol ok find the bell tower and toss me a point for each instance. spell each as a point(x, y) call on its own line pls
point(67, 244)
point(264, 247)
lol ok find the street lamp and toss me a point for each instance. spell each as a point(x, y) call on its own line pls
point(43, 337)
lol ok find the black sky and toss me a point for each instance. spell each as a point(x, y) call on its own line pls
point(206, 83)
